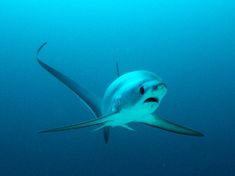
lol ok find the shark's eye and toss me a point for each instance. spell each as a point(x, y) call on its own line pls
point(142, 90)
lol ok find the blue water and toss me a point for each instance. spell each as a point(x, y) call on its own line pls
point(190, 44)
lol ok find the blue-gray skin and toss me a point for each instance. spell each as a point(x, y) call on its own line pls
point(132, 97)
point(127, 90)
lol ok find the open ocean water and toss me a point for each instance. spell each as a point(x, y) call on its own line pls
point(190, 44)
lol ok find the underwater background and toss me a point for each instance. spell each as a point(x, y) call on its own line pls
point(189, 44)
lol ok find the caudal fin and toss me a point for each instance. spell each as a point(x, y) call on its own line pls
point(91, 101)
point(106, 133)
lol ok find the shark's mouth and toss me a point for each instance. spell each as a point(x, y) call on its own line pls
point(151, 100)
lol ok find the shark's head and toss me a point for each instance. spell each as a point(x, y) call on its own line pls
point(149, 95)
point(138, 91)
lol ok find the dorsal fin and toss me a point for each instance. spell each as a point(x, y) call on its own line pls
point(106, 130)
point(117, 69)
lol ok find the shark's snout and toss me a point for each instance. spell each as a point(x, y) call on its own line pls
point(159, 86)
point(156, 92)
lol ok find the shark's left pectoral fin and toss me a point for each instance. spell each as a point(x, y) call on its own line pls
point(156, 121)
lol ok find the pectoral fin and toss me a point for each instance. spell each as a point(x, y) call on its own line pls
point(155, 121)
point(84, 124)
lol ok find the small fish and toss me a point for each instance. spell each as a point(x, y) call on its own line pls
point(132, 97)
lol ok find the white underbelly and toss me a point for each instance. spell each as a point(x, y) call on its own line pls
point(123, 117)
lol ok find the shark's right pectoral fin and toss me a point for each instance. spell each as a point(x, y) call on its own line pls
point(156, 121)
point(93, 122)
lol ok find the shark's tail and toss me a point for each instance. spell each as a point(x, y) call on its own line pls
point(91, 101)
point(106, 133)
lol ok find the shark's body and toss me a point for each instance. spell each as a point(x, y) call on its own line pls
point(132, 97)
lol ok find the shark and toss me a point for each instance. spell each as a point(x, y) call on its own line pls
point(133, 97)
